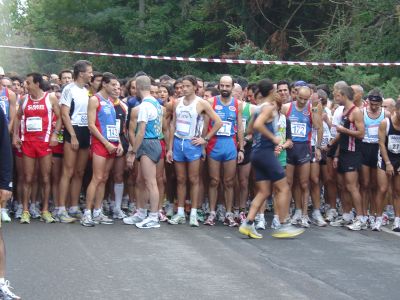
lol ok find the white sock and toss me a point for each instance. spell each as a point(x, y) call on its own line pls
point(261, 216)
point(96, 212)
point(181, 211)
point(60, 209)
point(88, 212)
point(143, 212)
point(119, 192)
point(153, 216)
point(73, 209)
point(193, 212)
point(2, 281)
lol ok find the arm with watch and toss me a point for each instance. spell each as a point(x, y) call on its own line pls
point(382, 148)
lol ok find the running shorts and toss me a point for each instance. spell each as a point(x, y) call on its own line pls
point(36, 149)
point(82, 134)
point(185, 151)
point(349, 161)
point(99, 149)
point(266, 165)
point(150, 148)
point(370, 154)
point(299, 154)
point(222, 149)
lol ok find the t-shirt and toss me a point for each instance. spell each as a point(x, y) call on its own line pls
point(147, 112)
point(76, 98)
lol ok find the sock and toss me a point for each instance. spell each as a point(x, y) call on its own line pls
point(347, 217)
point(181, 211)
point(143, 212)
point(249, 222)
point(193, 212)
point(73, 209)
point(119, 192)
point(261, 216)
point(96, 212)
point(60, 209)
point(212, 213)
point(2, 281)
point(88, 212)
point(153, 216)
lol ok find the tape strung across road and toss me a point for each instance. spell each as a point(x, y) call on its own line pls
point(217, 60)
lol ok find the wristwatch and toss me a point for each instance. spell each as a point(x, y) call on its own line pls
point(207, 139)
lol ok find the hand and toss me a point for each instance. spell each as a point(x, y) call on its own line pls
point(276, 140)
point(110, 148)
point(340, 128)
point(335, 162)
point(74, 142)
point(278, 149)
point(170, 156)
point(240, 157)
point(130, 159)
point(317, 154)
point(17, 142)
point(4, 196)
point(389, 170)
point(120, 150)
point(53, 140)
point(198, 141)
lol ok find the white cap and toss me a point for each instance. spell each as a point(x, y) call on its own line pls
point(2, 71)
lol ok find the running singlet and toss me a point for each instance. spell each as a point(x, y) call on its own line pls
point(260, 142)
point(76, 98)
point(392, 141)
point(121, 115)
point(348, 143)
point(37, 119)
point(326, 132)
point(106, 119)
point(337, 117)
point(189, 123)
point(246, 115)
point(301, 123)
point(228, 114)
point(5, 103)
point(372, 127)
point(153, 126)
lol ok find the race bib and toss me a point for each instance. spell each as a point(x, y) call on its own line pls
point(373, 131)
point(34, 124)
point(82, 119)
point(112, 133)
point(182, 127)
point(244, 122)
point(394, 144)
point(225, 130)
point(118, 125)
point(298, 129)
point(333, 131)
point(325, 141)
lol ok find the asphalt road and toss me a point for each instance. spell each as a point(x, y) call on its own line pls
point(58, 261)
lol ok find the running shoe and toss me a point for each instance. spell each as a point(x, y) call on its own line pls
point(131, 207)
point(385, 219)
point(356, 225)
point(242, 217)
point(77, 214)
point(221, 212)
point(371, 222)
point(396, 225)
point(177, 219)
point(318, 219)
point(250, 231)
point(87, 220)
point(18, 212)
point(340, 222)
point(132, 220)
point(4, 216)
point(260, 224)
point(119, 214)
point(236, 217)
point(304, 222)
point(210, 220)
point(206, 206)
point(6, 293)
point(296, 218)
point(275, 222)
point(193, 221)
point(230, 221)
point(124, 204)
point(64, 217)
point(390, 212)
point(200, 215)
point(34, 211)
point(169, 210)
point(148, 223)
point(102, 219)
point(377, 224)
point(162, 216)
point(47, 217)
point(286, 231)
point(25, 217)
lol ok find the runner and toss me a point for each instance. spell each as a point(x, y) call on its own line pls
point(284, 91)
point(222, 149)
point(268, 171)
point(105, 145)
point(36, 115)
point(65, 77)
point(186, 144)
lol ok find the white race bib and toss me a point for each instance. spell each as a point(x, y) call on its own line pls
point(298, 129)
point(34, 124)
point(394, 144)
point(118, 125)
point(182, 127)
point(225, 130)
point(244, 122)
point(112, 133)
point(373, 131)
point(82, 119)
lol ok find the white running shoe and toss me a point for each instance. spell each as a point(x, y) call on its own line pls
point(4, 215)
point(371, 222)
point(377, 224)
point(5, 292)
point(318, 219)
point(34, 211)
point(396, 225)
point(221, 212)
point(177, 219)
point(275, 223)
point(261, 224)
point(385, 219)
point(331, 215)
point(193, 221)
point(148, 223)
point(119, 214)
point(305, 222)
point(102, 219)
point(356, 225)
point(296, 218)
point(18, 212)
point(132, 220)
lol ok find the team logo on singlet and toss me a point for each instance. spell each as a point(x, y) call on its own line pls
point(3, 98)
point(306, 112)
point(218, 107)
point(232, 108)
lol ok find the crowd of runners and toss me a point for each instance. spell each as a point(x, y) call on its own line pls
point(93, 148)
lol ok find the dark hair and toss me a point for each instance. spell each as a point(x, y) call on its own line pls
point(128, 85)
point(95, 75)
point(64, 71)
point(165, 77)
point(253, 87)
point(140, 73)
point(347, 91)
point(375, 95)
point(282, 82)
point(38, 78)
point(242, 82)
point(190, 78)
point(106, 78)
point(179, 80)
point(264, 87)
point(214, 91)
point(168, 87)
point(80, 66)
point(312, 87)
point(324, 87)
point(17, 78)
point(211, 84)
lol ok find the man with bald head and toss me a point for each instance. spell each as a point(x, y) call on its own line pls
point(358, 95)
point(389, 104)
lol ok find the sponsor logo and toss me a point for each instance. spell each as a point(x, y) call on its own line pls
point(35, 107)
point(232, 108)
point(218, 107)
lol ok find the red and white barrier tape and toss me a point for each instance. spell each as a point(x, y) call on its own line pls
point(218, 60)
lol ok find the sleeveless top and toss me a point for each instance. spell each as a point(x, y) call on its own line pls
point(36, 122)
point(121, 115)
point(348, 143)
point(189, 123)
point(260, 142)
point(246, 115)
point(392, 141)
point(106, 119)
point(228, 114)
point(301, 123)
point(372, 127)
point(5, 103)
point(154, 127)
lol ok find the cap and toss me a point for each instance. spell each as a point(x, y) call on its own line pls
point(2, 71)
point(300, 83)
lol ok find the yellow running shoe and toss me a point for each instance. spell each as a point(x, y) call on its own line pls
point(287, 231)
point(47, 217)
point(25, 217)
point(249, 230)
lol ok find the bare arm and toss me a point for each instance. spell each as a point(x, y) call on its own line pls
point(139, 136)
point(359, 124)
point(240, 127)
point(12, 98)
point(259, 124)
point(381, 141)
point(208, 110)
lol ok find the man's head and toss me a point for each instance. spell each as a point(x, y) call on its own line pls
point(83, 71)
point(337, 97)
point(6, 82)
point(131, 87)
point(17, 85)
point(143, 85)
point(226, 86)
point(375, 100)
point(154, 89)
point(237, 91)
point(65, 76)
point(389, 105)
point(210, 92)
point(303, 95)
point(178, 88)
point(283, 90)
point(189, 85)
point(34, 83)
point(54, 78)
point(109, 82)
point(346, 93)
point(96, 80)
point(322, 96)
point(358, 92)
point(200, 87)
